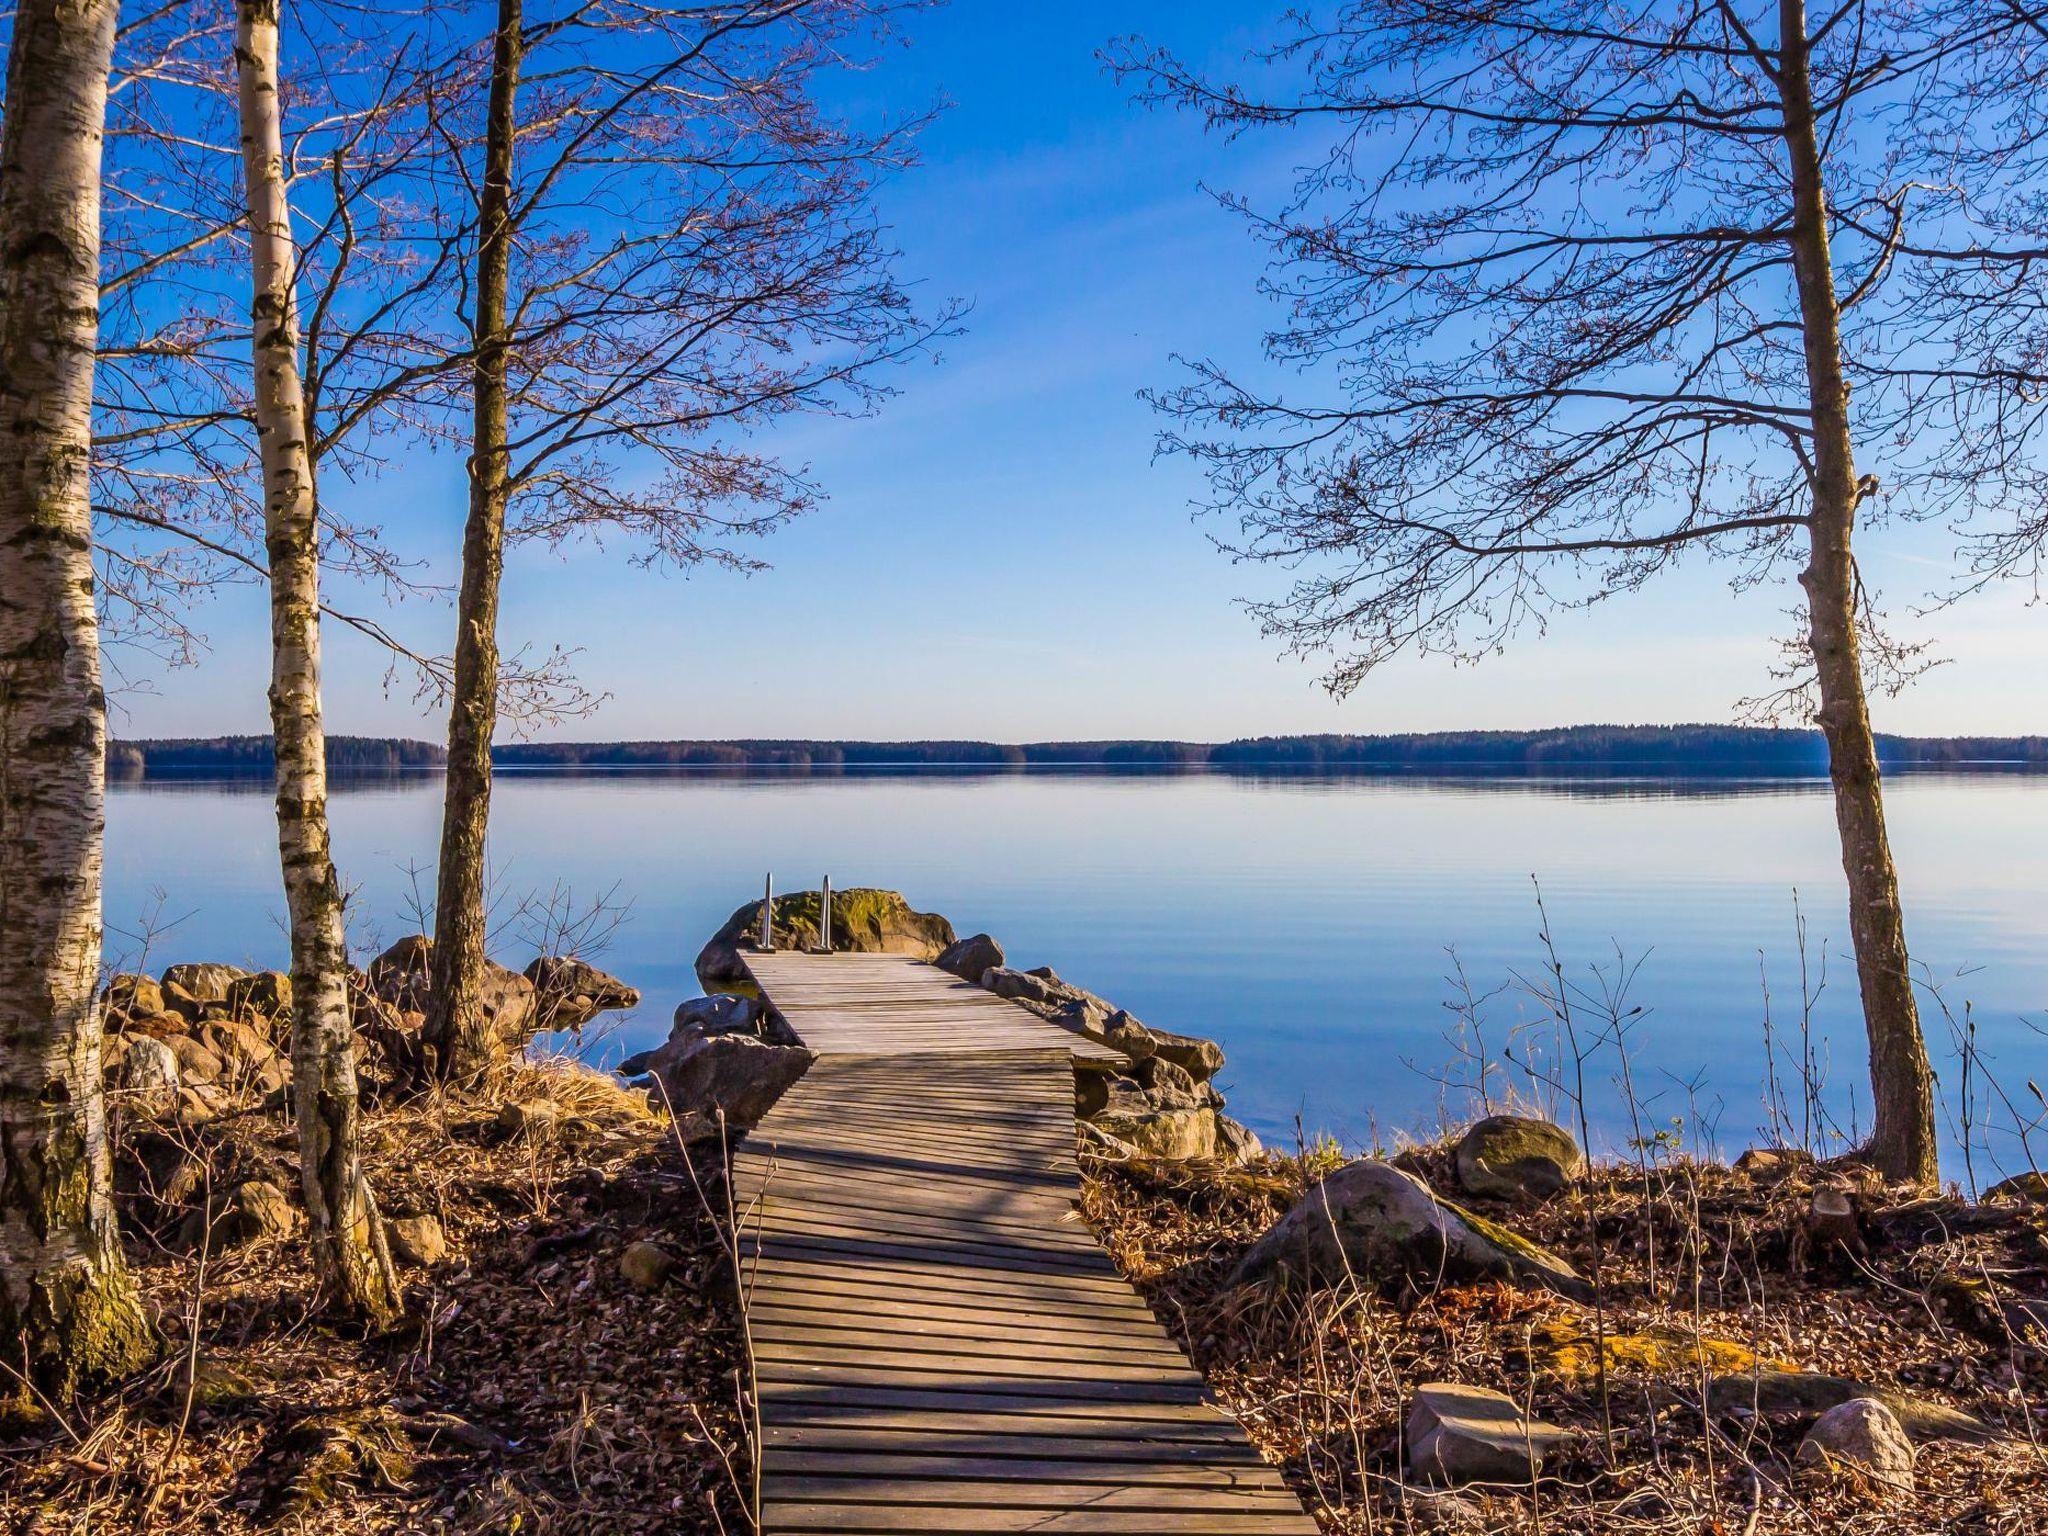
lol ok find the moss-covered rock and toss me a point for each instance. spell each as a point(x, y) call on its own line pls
point(1572, 1348)
point(2027, 1188)
point(1370, 1221)
point(864, 921)
point(1504, 1157)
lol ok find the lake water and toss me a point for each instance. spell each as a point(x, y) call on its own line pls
point(1308, 923)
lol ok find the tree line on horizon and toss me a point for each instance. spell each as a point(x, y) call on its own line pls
point(1702, 749)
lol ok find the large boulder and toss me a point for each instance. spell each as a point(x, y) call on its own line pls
point(1459, 1434)
point(1506, 1156)
point(734, 1078)
point(864, 921)
point(2025, 1188)
point(254, 1210)
point(1041, 990)
point(404, 977)
point(205, 980)
point(1086, 1014)
point(569, 993)
point(1370, 1220)
point(972, 958)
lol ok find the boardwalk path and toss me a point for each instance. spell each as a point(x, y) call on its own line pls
point(939, 1342)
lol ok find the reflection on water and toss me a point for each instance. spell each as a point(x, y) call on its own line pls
point(1314, 923)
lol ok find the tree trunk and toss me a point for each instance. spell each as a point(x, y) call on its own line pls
point(356, 1275)
point(1902, 1144)
point(456, 1030)
point(68, 1310)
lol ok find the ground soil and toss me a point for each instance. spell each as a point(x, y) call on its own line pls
point(532, 1388)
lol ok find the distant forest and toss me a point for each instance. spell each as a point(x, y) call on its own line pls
point(1688, 749)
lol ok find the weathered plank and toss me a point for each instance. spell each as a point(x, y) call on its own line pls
point(939, 1343)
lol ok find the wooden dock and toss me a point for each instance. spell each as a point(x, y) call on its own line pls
point(940, 1344)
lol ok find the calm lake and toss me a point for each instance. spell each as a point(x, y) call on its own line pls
point(1314, 925)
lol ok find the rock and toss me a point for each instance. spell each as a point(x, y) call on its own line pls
point(531, 1119)
point(1093, 1139)
point(2027, 1188)
point(253, 1211)
point(729, 1078)
point(1200, 1059)
point(404, 977)
point(265, 995)
point(151, 1066)
point(1040, 990)
point(1864, 1434)
point(1772, 1162)
point(1170, 1135)
point(1170, 1085)
point(1808, 1394)
point(1371, 1220)
point(864, 921)
point(569, 993)
point(206, 981)
point(972, 958)
point(1459, 1434)
point(1237, 1143)
point(646, 1266)
point(131, 996)
point(1443, 1514)
point(722, 1013)
point(186, 1005)
point(196, 1064)
point(1506, 1156)
point(416, 1240)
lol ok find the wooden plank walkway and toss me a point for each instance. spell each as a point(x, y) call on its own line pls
point(940, 1344)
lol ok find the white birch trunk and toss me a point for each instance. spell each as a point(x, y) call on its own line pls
point(354, 1266)
point(67, 1307)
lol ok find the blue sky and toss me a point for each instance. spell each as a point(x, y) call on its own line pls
point(1000, 556)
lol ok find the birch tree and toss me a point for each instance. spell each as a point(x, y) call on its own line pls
point(68, 1311)
point(348, 1243)
point(1595, 287)
point(674, 246)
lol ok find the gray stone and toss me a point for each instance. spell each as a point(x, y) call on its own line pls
point(569, 993)
point(971, 958)
point(1506, 1156)
point(1200, 1059)
point(416, 1240)
point(728, 1080)
point(1862, 1433)
point(1044, 993)
point(1772, 1162)
point(1170, 1135)
point(1237, 1143)
point(646, 1266)
point(151, 1066)
point(1370, 1220)
point(1170, 1085)
point(206, 981)
point(1458, 1434)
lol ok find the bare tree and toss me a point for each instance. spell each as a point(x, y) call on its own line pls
point(349, 1250)
point(1599, 286)
point(674, 245)
point(67, 1306)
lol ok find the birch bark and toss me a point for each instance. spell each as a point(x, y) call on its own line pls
point(68, 1311)
point(356, 1274)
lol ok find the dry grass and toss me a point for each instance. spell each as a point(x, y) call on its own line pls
point(1686, 1254)
point(532, 1389)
